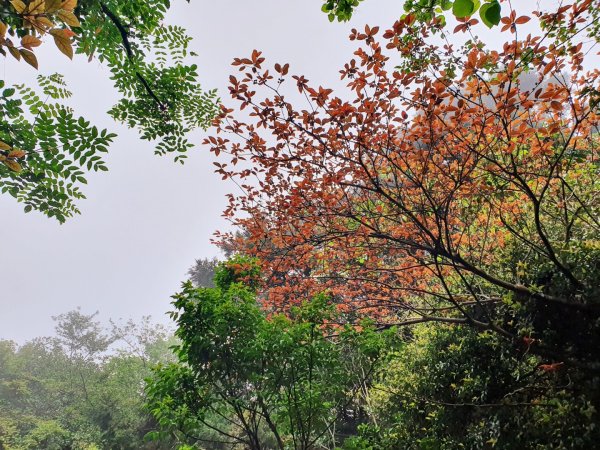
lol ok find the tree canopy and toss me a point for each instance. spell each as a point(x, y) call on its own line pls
point(457, 186)
point(243, 378)
point(452, 187)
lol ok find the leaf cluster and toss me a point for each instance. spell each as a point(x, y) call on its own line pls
point(149, 64)
point(455, 388)
point(425, 10)
point(45, 148)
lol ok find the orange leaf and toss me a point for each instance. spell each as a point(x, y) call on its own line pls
point(12, 165)
point(29, 57)
point(4, 146)
point(523, 19)
point(67, 33)
point(551, 367)
point(3, 29)
point(69, 18)
point(30, 41)
point(549, 67)
point(17, 153)
point(62, 39)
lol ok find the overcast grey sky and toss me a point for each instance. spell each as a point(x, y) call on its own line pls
point(147, 219)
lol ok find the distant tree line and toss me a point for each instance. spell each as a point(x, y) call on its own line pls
point(82, 388)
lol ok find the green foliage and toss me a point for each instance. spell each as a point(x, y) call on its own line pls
point(238, 269)
point(435, 386)
point(161, 94)
point(490, 13)
point(424, 10)
point(280, 382)
point(150, 66)
point(48, 435)
point(453, 388)
point(56, 147)
point(339, 9)
point(464, 8)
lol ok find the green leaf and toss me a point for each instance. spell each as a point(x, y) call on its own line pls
point(463, 8)
point(490, 13)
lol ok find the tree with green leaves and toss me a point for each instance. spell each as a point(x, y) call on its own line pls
point(454, 388)
point(83, 388)
point(243, 378)
point(456, 187)
point(45, 148)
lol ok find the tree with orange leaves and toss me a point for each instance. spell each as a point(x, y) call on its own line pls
point(458, 184)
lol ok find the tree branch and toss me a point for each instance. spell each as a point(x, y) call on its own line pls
point(125, 39)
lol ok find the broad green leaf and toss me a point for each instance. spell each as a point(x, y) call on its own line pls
point(463, 8)
point(490, 13)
